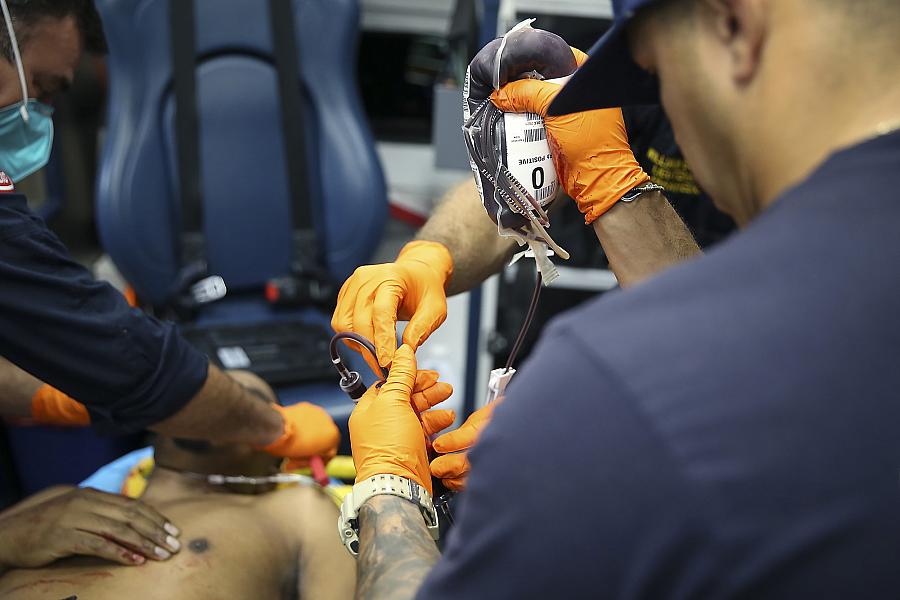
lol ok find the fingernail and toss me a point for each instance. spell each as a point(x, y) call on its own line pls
point(138, 559)
point(162, 553)
point(171, 529)
point(173, 544)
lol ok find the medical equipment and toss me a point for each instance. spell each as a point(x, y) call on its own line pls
point(506, 149)
point(500, 378)
point(351, 383)
point(509, 152)
point(218, 479)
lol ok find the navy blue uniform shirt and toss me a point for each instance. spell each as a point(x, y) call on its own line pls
point(729, 429)
point(80, 335)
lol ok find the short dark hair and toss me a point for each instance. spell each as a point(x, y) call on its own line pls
point(26, 13)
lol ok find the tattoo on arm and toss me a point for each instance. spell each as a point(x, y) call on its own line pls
point(396, 552)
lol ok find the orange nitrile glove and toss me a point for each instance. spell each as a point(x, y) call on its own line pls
point(410, 289)
point(385, 433)
point(453, 469)
point(308, 431)
point(429, 392)
point(590, 149)
point(49, 406)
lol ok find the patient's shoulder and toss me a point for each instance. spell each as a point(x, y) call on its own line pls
point(310, 515)
point(300, 505)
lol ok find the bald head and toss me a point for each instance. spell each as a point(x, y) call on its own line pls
point(760, 92)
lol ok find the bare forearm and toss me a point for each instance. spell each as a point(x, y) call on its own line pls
point(643, 237)
point(395, 550)
point(16, 390)
point(461, 224)
point(224, 411)
point(8, 547)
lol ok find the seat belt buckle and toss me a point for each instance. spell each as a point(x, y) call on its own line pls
point(209, 289)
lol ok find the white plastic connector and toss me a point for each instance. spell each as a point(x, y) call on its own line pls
point(497, 383)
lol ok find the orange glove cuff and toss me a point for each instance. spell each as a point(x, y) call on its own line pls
point(432, 254)
point(617, 184)
point(49, 406)
point(606, 169)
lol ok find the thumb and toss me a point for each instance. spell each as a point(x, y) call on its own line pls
point(402, 376)
point(384, 320)
point(526, 95)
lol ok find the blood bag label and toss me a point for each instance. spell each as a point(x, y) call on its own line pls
point(528, 155)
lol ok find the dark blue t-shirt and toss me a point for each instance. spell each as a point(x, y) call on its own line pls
point(729, 429)
point(80, 335)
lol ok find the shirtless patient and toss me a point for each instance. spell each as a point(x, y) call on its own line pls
point(253, 542)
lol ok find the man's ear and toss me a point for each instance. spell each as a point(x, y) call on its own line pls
point(741, 26)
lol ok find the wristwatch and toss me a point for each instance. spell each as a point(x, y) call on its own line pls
point(393, 485)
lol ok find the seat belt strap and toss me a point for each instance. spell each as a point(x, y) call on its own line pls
point(192, 242)
point(307, 252)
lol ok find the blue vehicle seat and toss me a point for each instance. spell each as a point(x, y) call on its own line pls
point(243, 170)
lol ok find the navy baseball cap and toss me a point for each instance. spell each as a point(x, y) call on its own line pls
point(610, 78)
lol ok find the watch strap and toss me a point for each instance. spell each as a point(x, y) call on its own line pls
point(377, 485)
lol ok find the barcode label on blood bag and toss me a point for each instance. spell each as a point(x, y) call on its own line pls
point(528, 155)
point(535, 135)
point(545, 192)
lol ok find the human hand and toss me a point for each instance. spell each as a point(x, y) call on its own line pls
point(385, 433)
point(84, 521)
point(427, 393)
point(590, 149)
point(410, 289)
point(452, 467)
point(49, 406)
point(308, 431)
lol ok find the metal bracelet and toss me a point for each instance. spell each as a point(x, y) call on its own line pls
point(642, 189)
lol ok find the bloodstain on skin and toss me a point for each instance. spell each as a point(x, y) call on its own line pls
point(89, 575)
point(199, 545)
point(33, 584)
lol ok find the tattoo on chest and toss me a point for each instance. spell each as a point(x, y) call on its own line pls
point(199, 545)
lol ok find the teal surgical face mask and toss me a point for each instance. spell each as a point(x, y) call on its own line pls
point(26, 128)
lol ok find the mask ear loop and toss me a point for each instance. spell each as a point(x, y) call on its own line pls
point(14, 42)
